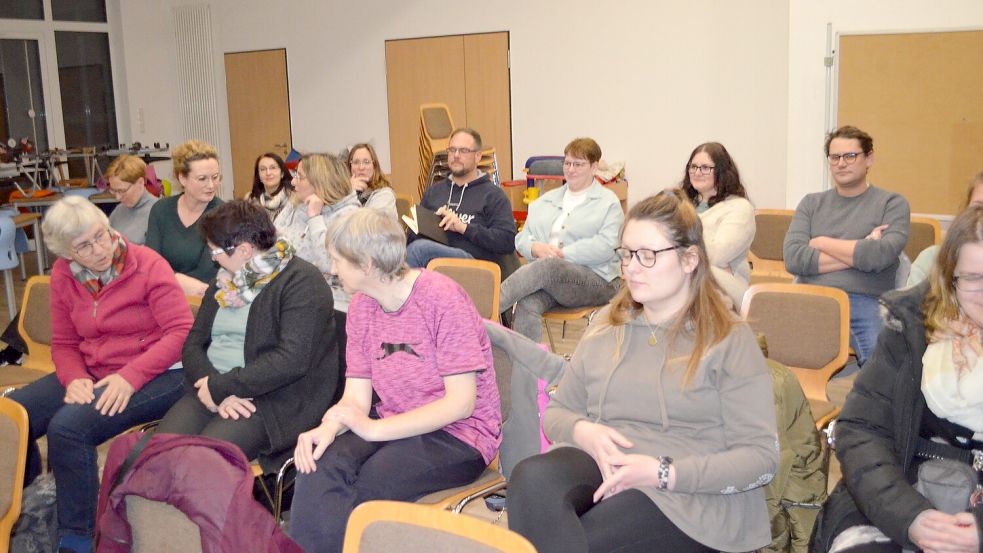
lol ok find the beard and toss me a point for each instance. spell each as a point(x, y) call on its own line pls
point(462, 172)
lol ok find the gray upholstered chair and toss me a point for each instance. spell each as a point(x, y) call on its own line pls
point(482, 280)
point(807, 330)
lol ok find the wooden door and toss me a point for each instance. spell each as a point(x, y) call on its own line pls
point(259, 116)
point(469, 73)
point(918, 95)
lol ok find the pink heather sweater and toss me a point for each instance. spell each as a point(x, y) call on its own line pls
point(135, 327)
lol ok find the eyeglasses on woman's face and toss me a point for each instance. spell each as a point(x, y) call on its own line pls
point(215, 252)
point(646, 257)
point(86, 249)
point(700, 169)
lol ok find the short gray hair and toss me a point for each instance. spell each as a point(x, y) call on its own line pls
point(367, 234)
point(69, 218)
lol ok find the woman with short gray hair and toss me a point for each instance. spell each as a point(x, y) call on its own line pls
point(118, 322)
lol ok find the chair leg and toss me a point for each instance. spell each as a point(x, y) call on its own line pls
point(281, 487)
point(549, 334)
point(8, 280)
point(23, 269)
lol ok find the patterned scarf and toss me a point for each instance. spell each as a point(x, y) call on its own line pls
point(241, 288)
point(952, 374)
point(95, 282)
point(273, 204)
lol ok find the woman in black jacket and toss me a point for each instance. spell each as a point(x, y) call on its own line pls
point(923, 384)
point(261, 361)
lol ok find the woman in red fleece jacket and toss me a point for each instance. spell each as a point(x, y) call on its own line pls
point(118, 322)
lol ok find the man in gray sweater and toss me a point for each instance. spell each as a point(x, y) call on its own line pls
point(850, 237)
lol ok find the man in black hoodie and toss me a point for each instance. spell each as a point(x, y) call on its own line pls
point(476, 213)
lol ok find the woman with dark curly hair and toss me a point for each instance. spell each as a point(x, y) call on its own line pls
point(712, 183)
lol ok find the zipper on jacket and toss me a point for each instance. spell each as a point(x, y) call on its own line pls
point(95, 307)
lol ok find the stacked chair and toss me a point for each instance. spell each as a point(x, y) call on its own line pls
point(436, 126)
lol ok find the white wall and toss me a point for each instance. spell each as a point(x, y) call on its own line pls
point(806, 73)
point(648, 79)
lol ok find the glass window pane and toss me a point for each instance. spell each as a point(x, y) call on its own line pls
point(79, 10)
point(21, 94)
point(87, 102)
point(21, 9)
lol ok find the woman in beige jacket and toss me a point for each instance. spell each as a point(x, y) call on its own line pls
point(664, 421)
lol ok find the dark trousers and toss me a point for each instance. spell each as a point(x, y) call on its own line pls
point(550, 502)
point(190, 416)
point(353, 471)
point(75, 430)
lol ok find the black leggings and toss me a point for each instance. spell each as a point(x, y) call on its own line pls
point(550, 502)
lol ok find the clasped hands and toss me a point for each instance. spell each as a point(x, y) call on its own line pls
point(113, 400)
point(936, 532)
point(542, 250)
point(620, 471)
point(232, 407)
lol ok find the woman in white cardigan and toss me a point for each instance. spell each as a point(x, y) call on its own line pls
point(713, 184)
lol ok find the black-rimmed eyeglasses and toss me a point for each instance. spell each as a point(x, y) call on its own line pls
point(646, 257)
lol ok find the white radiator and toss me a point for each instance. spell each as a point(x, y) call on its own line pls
point(196, 72)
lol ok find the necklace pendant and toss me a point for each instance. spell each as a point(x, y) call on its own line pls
point(653, 340)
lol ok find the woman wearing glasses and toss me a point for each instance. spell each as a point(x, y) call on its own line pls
point(417, 342)
point(172, 230)
point(118, 322)
point(126, 176)
point(569, 238)
point(271, 183)
point(712, 183)
point(920, 396)
point(369, 182)
point(664, 421)
point(322, 192)
point(260, 364)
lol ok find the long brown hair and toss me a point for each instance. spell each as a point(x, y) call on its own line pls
point(726, 177)
point(941, 305)
point(705, 314)
point(379, 179)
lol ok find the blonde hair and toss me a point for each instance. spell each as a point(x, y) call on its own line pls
point(328, 175)
point(127, 168)
point(193, 150)
point(66, 220)
point(378, 180)
point(367, 234)
point(705, 315)
point(941, 305)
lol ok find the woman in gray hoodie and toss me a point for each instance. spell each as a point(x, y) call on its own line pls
point(664, 422)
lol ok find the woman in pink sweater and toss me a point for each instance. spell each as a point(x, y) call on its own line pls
point(118, 322)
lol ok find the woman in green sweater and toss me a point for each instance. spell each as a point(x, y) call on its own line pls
point(172, 230)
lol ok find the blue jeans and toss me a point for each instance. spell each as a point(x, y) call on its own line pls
point(421, 251)
point(544, 284)
point(865, 325)
point(75, 430)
